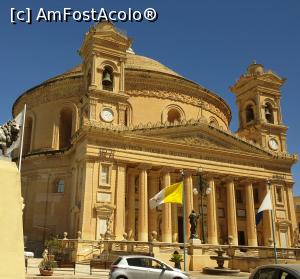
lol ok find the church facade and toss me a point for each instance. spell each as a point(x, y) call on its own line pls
point(103, 138)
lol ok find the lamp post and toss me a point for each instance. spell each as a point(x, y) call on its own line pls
point(202, 189)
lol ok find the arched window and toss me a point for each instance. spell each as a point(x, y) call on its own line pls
point(249, 113)
point(174, 115)
point(65, 128)
point(27, 135)
point(107, 79)
point(126, 117)
point(213, 122)
point(269, 113)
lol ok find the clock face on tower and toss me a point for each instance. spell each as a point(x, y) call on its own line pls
point(107, 115)
point(273, 144)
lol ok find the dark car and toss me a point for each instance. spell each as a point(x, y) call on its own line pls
point(276, 271)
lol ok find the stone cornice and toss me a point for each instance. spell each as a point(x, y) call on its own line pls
point(145, 129)
point(49, 91)
point(177, 89)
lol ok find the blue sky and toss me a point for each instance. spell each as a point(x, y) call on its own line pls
point(210, 42)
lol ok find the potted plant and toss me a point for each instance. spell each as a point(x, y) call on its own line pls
point(47, 265)
point(54, 246)
point(176, 259)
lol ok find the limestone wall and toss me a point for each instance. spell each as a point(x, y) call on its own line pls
point(12, 264)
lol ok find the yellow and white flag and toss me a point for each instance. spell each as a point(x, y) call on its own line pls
point(170, 194)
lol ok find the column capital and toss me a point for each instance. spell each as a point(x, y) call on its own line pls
point(187, 172)
point(246, 180)
point(144, 166)
point(132, 171)
point(228, 179)
point(154, 173)
point(289, 184)
point(164, 170)
point(209, 176)
point(121, 165)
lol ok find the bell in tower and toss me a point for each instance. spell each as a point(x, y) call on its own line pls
point(269, 113)
point(107, 79)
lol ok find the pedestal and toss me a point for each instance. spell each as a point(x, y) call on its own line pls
point(12, 262)
point(194, 241)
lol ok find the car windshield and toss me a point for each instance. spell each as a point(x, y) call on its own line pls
point(117, 261)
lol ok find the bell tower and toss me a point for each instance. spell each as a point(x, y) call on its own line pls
point(103, 52)
point(258, 100)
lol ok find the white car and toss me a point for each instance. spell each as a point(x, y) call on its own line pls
point(143, 267)
point(28, 254)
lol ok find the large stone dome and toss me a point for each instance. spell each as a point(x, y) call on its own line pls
point(133, 62)
point(143, 73)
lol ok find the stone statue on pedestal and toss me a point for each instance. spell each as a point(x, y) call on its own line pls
point(193, 222)
point(9, 133)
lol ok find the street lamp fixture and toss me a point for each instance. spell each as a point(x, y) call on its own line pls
point(203, 190)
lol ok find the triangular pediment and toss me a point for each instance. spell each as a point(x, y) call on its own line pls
point(202, 134)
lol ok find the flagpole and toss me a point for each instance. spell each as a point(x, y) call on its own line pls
point(184, 225)
point(273, 227)
point(22, 139)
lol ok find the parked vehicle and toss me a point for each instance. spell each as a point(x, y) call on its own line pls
point(276, 271)
point(143, 267)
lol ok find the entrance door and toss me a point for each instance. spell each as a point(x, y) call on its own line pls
point(180, 229)
point(241, 238)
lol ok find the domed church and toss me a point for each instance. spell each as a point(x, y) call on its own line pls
point(103, 138)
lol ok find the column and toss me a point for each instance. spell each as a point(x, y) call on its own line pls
point(231, 211)
point(212, 235)
point(93, 72)
point(120, 202)
point(174, 214)
point(250, 215)
point(153, 190)
point(122, 76)
point(166, 213)
point(188, 194)
point(131, 205)
point(196, 207)
point(143, 206)
point(267, 220)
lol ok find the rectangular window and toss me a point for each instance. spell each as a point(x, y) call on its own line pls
point(104, 175)
point(238, 196)
point(279, 194)
point(256, 195)
point(298, 207)
point(241, 212)
point(221, 212)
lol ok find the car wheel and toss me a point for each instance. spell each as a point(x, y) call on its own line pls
point(121, 277)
